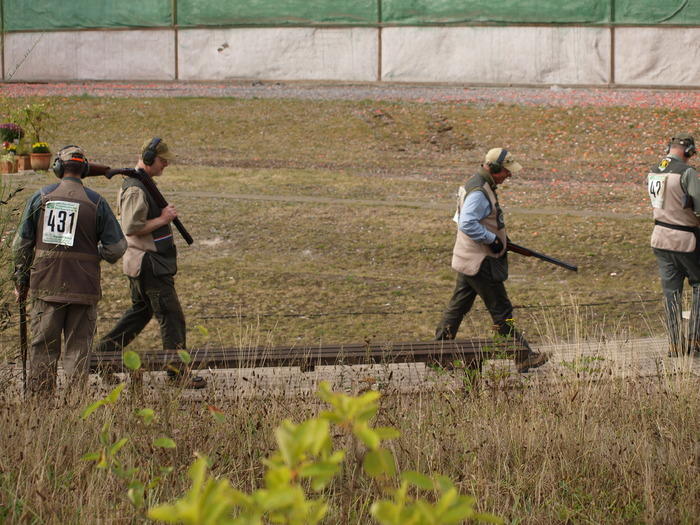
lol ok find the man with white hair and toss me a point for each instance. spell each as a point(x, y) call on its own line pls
point(480, 258)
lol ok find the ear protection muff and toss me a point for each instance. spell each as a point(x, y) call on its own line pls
point(59, 168)
point(689, 150)
point(149, 156)
point(497, 166)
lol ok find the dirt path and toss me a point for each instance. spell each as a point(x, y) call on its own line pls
point(405, 204)
point(529, 96)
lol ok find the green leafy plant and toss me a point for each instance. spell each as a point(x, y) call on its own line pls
point(36, 118)
point(107, 456)
point(304, 466)
point(9, 157)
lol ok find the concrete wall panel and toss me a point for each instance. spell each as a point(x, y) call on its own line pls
point(91, 55)
point(665, 56)
point(345, 54)
point(496, 55)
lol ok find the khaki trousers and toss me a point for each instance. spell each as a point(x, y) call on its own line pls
point(49, 323)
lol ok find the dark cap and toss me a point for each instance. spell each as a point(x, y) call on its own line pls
point(162, 150)
point(683, 139)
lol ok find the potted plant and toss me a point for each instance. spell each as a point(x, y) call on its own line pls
point(8, 162)
point(40, 156)
point(11, 132)
point(24, 149)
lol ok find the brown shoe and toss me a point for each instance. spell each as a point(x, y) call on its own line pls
point(188, 380)
point(533, 360)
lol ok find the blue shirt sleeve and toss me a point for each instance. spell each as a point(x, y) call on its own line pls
point(30, 218)
point(476, 207)
point(108, 229)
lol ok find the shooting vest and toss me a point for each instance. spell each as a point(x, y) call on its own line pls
point(159, 244)
point(675, 223)
point(66, 260)
point(468, 255)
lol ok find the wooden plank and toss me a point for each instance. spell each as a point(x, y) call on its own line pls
point(465, 352)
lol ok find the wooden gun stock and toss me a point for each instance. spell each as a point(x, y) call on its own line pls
point(97, 170)
point(154, 192)
point(531, 253)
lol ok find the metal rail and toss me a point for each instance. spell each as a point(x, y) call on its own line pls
point(449, 353)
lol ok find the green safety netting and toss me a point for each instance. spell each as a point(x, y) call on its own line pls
point(276, 12)
point(417, 12)
point(657, 12)
point(39, 15)
point(33, 15)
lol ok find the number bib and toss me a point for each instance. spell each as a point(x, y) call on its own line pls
point(656, 185)
point(60, 221)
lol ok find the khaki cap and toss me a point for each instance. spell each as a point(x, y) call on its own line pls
point(162, 150)
point(507, 159)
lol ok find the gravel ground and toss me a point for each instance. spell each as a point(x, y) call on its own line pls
point(545, 96)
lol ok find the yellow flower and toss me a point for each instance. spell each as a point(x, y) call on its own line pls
point(40, 147)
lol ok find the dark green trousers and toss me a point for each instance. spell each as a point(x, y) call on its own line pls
point(151, 295)
point(674, 269)
point(467, 289)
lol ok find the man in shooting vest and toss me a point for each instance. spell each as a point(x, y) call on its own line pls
point(480, 257)
point(150, 264)
point(674, 191)
point(66, 230)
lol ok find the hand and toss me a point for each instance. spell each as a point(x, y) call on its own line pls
point(168, 214)
point(21, 292)
point(496, 246)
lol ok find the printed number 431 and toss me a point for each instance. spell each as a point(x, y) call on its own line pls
point(57, 221)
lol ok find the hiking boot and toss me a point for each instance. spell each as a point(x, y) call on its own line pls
point(533, 360)
point(187, 380)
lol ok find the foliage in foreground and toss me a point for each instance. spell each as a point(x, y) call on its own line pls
point(304, 465)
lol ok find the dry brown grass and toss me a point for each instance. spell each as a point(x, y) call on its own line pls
point(613, 451)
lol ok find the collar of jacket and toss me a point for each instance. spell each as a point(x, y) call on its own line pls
point(489, 178)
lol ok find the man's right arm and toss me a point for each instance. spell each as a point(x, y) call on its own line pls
point(23, 246)
point(134, 210)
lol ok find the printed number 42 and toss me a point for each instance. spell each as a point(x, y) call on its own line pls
point(654, 188)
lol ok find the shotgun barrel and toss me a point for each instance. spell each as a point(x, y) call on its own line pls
point(532, 253)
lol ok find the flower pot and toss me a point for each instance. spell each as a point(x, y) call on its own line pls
point(40, 161)
point(8, 166)
point(24, 163)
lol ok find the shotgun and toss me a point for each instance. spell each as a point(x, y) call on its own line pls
point(154, 192)
point(531, 253)
point(23, 343)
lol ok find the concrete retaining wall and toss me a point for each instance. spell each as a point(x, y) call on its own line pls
point(521, 55)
